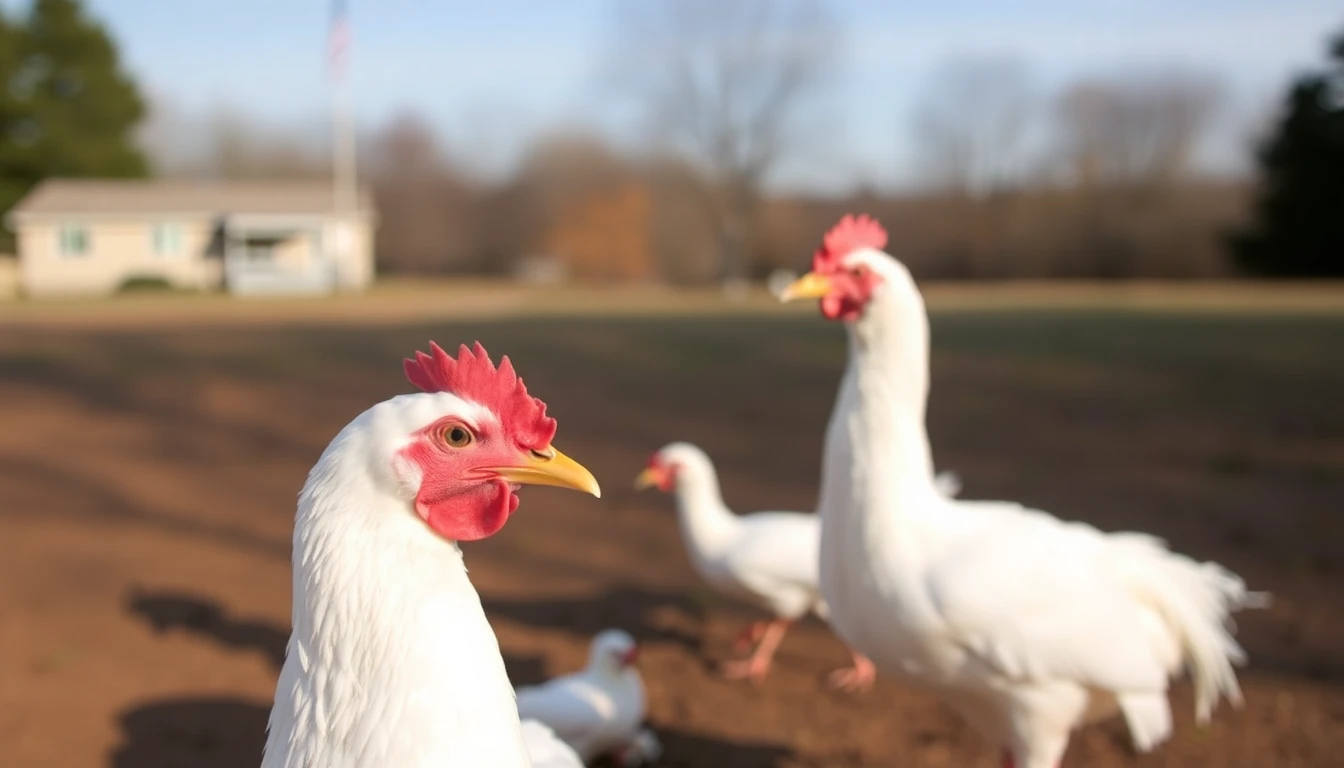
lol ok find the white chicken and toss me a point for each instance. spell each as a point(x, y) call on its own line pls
point(1027, 625)
point(391, 660)
point(766, 558)
point(600, 709)
point(545, 749)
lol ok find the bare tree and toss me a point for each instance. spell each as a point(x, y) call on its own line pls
point(972, 129)
point(721, 82)
point(230, 144)
point(971, 125)
point(406, 147)
point(1140, 129)
point(557, 170)
point(168, 137)
point(429, 214)
point(1127, 143)
point(564, 165)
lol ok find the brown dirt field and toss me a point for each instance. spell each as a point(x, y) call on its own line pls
point(147, 484)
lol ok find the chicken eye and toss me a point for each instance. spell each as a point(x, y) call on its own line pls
point(457, 436)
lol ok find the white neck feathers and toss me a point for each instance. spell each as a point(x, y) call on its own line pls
point(705, 520)
point(877, 449)
point(391, 660)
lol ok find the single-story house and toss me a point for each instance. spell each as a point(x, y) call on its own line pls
point(92, 237)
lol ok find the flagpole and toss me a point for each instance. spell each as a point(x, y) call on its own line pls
point(344, 189)
point(343, 160)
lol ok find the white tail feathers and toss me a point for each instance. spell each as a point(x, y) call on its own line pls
point(1196, 600)
point(1148, 716)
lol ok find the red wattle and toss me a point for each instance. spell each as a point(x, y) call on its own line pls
point(469, 516)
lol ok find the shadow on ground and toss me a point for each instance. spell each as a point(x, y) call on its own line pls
point(230, 732)
point(648, 615)
point(192, 733)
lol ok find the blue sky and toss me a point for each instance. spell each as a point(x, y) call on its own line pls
point(493, 74)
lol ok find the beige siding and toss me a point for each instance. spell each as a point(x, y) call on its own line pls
point(362, 270)
point(356, 269)
point(117, 250)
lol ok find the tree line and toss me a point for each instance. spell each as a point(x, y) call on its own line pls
point(1095, 180)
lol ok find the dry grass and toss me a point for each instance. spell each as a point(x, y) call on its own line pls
point(406, 300)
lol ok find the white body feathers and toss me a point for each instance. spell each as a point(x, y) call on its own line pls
point(546, 749)
point(768, 558)
point(1028, 625)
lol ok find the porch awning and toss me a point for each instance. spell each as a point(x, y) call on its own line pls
point(273, 223)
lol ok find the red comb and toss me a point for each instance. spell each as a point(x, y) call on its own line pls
point(473, 377)
point(850, 234)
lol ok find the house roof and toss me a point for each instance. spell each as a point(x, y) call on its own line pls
point(109, 197)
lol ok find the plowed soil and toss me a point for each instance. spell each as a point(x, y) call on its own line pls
point(148, 478)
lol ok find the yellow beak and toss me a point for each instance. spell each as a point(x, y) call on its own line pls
point(551, 468)
point(809, 286)
point(646, 479)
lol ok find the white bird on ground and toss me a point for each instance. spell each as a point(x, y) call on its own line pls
point(1028, 625)
point(766, 558)
point(600, 709)
point(391, 661)
point(545, 749)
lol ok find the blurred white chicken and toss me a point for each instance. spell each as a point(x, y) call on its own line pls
point(391, 661)
point(600, 709)
point(767, 558)
point(1027, 625)
point(545, 749)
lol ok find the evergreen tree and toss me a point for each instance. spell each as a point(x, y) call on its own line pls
point(1299, 227)
point(14, 173)
point(67, 107)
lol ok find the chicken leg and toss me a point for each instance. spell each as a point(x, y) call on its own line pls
point(748, 637)
point(1007, 761)
point(855, 679)
point(757, 666)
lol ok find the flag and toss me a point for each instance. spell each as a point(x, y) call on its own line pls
point(338, 44)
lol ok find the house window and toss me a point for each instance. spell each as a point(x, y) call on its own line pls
point(73, 240)
point(167, 239)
